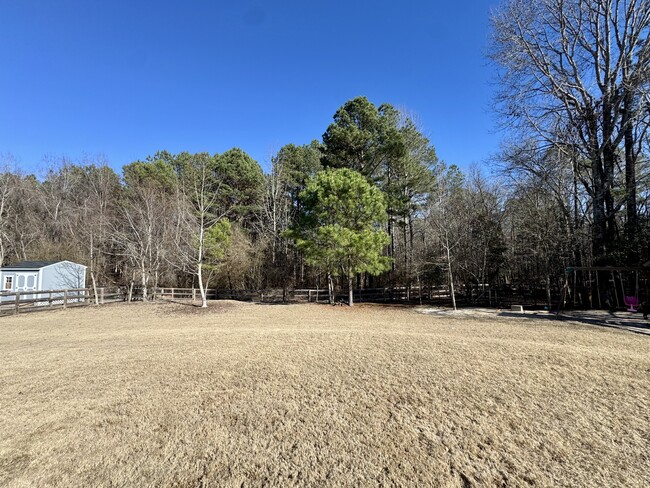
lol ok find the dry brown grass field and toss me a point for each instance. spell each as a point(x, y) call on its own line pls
point(308, 395)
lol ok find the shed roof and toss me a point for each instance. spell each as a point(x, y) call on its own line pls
point(36, 264)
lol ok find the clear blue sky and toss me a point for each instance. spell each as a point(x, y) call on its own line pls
point(126, 78)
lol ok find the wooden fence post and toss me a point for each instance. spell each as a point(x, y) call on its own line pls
point(101, 295)
point(194, 294)
point(17, 303)
point(65, 298)
point(172, 293)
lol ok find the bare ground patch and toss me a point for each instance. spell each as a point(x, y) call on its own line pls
point(300, 395)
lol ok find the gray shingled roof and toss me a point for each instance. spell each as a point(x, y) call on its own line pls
point(30, 265)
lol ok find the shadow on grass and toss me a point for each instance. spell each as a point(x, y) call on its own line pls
point(632, 324)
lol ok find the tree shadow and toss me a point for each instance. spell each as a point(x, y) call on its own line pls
point(632, 324)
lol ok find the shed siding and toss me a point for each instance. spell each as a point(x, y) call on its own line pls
point(62, 276)
point(58, 276)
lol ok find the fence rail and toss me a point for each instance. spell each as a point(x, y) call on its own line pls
point(15, 302)
point(28, 301)
point(388, 294)
point(194, 294)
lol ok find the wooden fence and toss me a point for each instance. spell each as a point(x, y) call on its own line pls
point(394, 294)
point(19, 302)
point(388, 294)
point(14, 302)
point(194, 294)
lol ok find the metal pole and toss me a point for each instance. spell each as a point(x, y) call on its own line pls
point(620, 277)
point(615, 291)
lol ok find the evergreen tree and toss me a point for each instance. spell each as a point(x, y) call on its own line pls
point(340, 227)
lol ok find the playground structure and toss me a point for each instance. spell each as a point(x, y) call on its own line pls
point(606, 287)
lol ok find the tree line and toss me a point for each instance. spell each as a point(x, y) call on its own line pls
point(370, 204)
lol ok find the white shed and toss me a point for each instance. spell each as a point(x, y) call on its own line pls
point(42, 275)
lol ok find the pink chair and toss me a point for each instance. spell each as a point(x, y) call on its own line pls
point(631, 302)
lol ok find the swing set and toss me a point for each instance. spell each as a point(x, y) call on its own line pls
point(606, 287)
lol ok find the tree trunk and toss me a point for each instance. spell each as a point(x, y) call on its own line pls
point(204, 299)
point(131, 283)
point(598, 230)
point(144, 283)
point(330, 288)
point(451, 279)
point(94, 281)
point(350, 289)
point(232, 293)
point(631, 225)
point(451, 289)
point(609, 165)
point(155, 285)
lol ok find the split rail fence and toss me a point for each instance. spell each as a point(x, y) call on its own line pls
point(30, 301)
point(15, 302)
point(395, 294)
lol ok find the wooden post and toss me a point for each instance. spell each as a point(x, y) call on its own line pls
point(172, 293)
point(620, 278)
point(101, 295)
point(615, 291)
point(65, 298)
point(194, 294)
point(600, 305)
point(17, 302)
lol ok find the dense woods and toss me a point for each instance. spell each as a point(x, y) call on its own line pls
point(370, 204)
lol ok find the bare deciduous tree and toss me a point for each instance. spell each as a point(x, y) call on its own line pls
point(575, 74)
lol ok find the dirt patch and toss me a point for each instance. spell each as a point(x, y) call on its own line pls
point(194, 308)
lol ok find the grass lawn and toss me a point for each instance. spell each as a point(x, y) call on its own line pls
point(309, 395)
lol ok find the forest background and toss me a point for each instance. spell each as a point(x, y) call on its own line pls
point(568, 188)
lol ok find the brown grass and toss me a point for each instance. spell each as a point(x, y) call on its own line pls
point(307, 395)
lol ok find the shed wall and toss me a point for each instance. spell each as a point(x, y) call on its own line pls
point(62, 276)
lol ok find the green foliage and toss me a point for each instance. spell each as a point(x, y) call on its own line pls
point(155, 173)
point(233, 181)
point(362, 137)
point(241, 182)
point(299, 164)
point(216, 244)
point(408, 179)
point(340, 226)
point(194, 170)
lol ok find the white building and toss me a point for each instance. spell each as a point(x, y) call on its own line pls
point(41, 275)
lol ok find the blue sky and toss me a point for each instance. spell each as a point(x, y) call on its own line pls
point(125, 79)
